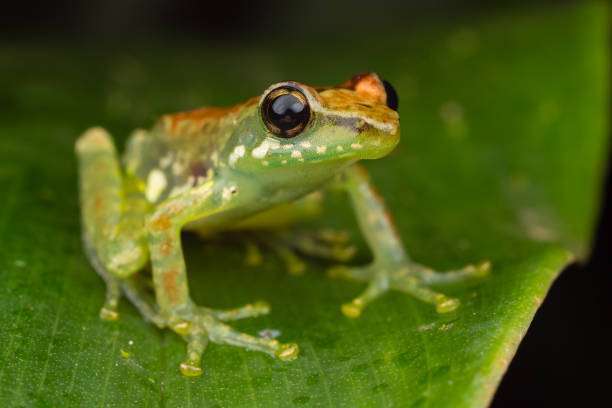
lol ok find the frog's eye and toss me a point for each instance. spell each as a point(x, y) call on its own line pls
point(392, 98)
point(285, 111)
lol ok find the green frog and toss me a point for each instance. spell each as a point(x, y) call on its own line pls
point(258, 165)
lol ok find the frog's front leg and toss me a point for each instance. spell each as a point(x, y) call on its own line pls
point(198, 325)
point(391, 268)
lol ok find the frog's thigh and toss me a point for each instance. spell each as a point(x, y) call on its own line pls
point(284, 215)
point(112, 212)
point(111, 215)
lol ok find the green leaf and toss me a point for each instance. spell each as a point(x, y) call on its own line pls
point(503, 126)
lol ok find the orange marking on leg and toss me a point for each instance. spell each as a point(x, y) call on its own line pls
point(98, 203)
point(170, 284)
point(166, 247)
point(161, 223)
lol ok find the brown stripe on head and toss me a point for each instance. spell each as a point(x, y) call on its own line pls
point(364, 96)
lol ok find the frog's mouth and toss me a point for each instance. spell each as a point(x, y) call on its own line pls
point(362, 138)
point(375, 143)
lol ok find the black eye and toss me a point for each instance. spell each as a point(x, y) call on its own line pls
point(392, 98)
point(285, 111)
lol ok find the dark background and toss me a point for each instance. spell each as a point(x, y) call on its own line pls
point(564, 358)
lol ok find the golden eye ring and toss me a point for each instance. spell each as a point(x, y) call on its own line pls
point(285, 111)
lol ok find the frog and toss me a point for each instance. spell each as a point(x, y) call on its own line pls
point(262, 164)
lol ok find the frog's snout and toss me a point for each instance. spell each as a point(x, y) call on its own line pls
point(378, 141)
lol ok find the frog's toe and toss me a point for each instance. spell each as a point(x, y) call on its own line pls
point(253, 256)
point(109, 311)
point(256, 309)
point(197, 340)
point(377, 286)
point(465, 274)
point(221, 333)
point(294, 264)
point(109, 314)
point(287, 352)
point(358, 273)
point(325, 244)
point(190, 369)
point(447, 305)
point(333, 236)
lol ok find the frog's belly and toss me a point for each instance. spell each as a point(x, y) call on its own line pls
point(277, 217)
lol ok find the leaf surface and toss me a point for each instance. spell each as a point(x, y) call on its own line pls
point(503, 127)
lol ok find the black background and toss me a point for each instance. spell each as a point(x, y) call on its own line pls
point(564, 358)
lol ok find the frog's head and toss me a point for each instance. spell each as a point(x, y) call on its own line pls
point(296, 126)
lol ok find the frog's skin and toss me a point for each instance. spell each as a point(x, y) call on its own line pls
point(217, 169)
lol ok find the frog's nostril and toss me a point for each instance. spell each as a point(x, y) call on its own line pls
point(392, 97)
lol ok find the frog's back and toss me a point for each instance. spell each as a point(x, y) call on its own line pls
point(182, 150)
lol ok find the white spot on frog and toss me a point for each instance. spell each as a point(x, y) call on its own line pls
point(165, 161)
point(262, 150)
point(237, 153)
point(156, 184)
point(125, 257)
point(305, 145)
point(178, 167)
point(340, 148)
point(215, 158)
point(356, 146)
point(228, 192)
point(296, 154)
point(321, 149)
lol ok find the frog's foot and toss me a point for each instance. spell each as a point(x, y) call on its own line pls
point(290, 245)
point(294, 264)
point(324, 244)
point(411, 278)
point(200, 325)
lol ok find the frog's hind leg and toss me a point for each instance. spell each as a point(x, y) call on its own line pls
point(289, 245)
point(332, 245)
point(112, 213)
point(276, 229)
point(293, 263)
point(134, 288)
